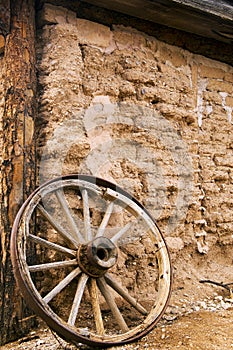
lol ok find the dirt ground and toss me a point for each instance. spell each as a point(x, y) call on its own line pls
point(202, 330)
point(199, 315)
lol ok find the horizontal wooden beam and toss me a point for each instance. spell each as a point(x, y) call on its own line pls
point(208, 18)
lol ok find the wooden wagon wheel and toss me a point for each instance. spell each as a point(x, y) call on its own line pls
point(96, 269)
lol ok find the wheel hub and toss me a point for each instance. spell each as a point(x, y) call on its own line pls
point(96, 257)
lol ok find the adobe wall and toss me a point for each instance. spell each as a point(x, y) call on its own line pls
point(152, 117)
point(83, 64)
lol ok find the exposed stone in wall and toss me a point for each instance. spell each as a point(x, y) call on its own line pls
point(80, 61)
point(55, 14)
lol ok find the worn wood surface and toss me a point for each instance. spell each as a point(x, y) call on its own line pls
point(18, 165)
point(209, 18)
point(4, 17)
point(4, 22)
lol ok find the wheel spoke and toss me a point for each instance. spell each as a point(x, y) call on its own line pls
point(86, 215)
point(61, 285)
point(57, 227)
point(74, 228)
point(53, 246)
point(125, 295)
point(89, 224)
point(96, 306)
point(77, 299)
point(53, 265)
point(112, 304)
point(105, 220)
point(120, 233)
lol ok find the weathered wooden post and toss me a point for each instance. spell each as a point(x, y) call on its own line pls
point(18, 153)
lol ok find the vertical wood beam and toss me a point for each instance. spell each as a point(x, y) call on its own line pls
point(18, 165)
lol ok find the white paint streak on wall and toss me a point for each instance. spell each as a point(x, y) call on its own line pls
point(209, 109)
point(228, 109)
point(201, 87)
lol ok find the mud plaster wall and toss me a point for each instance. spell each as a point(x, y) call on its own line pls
point(154, 118)
point(85, 67)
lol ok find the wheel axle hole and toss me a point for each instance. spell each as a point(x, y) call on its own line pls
point(102, 254)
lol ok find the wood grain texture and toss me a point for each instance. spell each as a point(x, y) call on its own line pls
point(210, 18)
point(18, 165)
